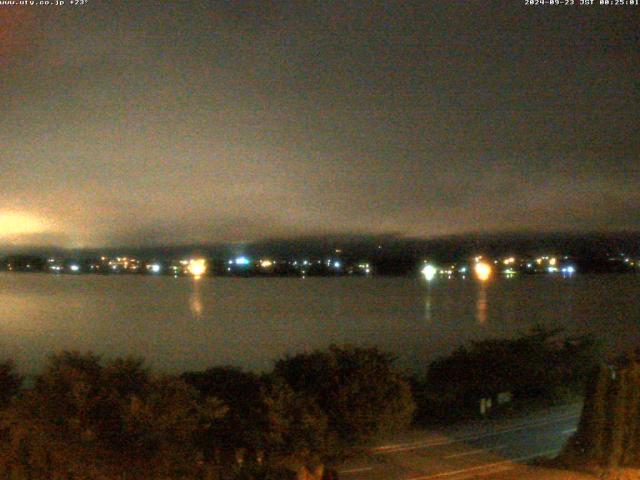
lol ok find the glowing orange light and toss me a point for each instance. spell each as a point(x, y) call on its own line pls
point(197, 267)
point(483, 271)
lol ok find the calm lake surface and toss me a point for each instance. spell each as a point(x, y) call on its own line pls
point(180, 323)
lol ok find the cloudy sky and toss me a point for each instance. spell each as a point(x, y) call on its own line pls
point(145, 122)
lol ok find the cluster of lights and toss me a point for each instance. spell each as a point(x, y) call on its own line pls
point(268, 264)
point(481, 269)
point(123, 263)
point(195, 267)
point(336, 263)
point(551, 261)
point(364, 267)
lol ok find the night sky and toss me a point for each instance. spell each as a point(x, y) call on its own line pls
point(140, 123)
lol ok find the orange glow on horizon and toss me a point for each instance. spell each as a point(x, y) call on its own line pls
point(15, 224)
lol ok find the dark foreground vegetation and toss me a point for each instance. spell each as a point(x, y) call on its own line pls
point(85, 418)
point(539, 367)
point(88, 419)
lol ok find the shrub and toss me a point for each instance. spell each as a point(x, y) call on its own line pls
point(10, 382)
point(86, 420)
point(534, 366)
point(295, 426)
point(357, 389)
point(245, 419)
point(265, 418)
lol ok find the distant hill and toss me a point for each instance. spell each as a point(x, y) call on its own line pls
point(389, 247)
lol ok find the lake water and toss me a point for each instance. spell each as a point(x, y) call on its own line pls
point(182, 323)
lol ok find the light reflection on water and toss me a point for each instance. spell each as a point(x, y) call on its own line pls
point(195, 301)
point(427, 304)
point(181, 323)
point(481, 304)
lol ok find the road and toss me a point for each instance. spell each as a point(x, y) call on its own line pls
point(478, 450)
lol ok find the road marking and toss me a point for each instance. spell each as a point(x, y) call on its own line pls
point(475, 452)
point(569, 432)
point(415, 445)
point(485, 466)
point(355, 470)
point(408, 446)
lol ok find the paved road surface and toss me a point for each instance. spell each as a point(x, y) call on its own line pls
point(473, 451)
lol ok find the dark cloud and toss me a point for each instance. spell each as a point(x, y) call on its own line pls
point(232, 121)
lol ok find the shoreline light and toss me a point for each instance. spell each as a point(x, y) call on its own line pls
point(242, 261)
point(197, 267)
point(483, 271)
point(154, 268)
point(429, 272)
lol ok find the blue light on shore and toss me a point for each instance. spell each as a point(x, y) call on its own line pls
point(242, 261)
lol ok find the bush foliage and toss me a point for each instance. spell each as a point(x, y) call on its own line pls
point(85, 418)
point(358, 390)
point(539, 364)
